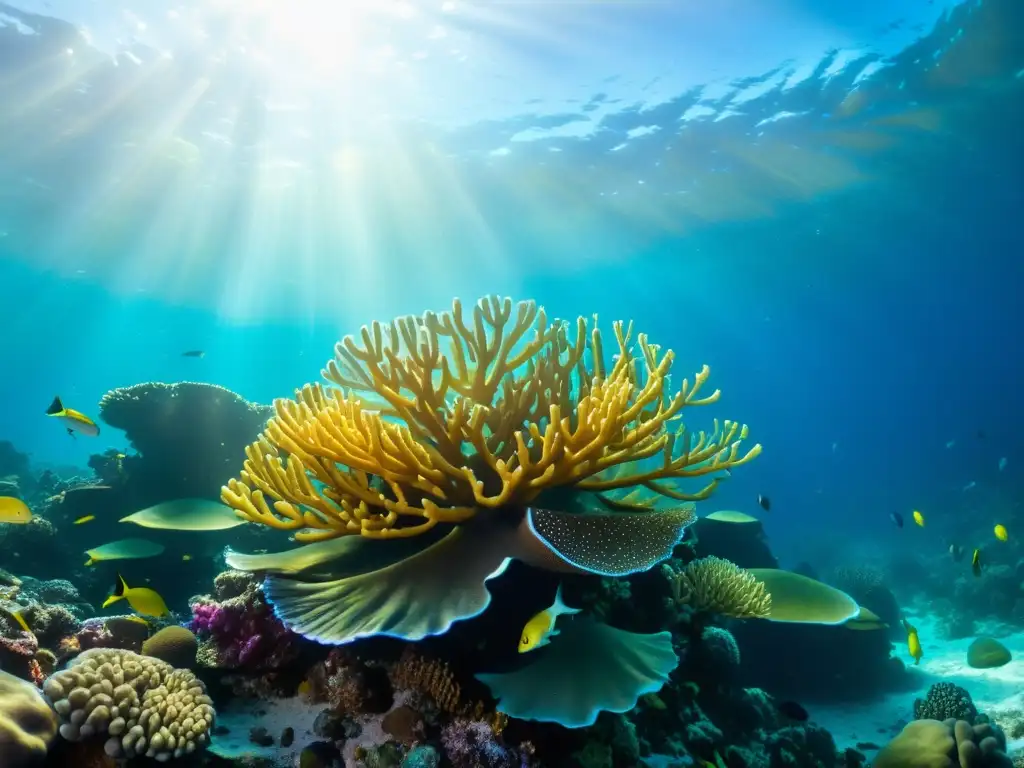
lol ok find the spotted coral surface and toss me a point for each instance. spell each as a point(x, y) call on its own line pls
point(143, 706)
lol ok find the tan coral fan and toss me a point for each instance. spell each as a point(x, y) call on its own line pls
point(143, 705)
point(480, 412)
point(715, 585)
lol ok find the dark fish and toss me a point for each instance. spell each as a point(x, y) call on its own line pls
point(897, 518)
point(794, 711)
point(957, 552)
point(976, 562)
point(194, 353)
point(764, 501)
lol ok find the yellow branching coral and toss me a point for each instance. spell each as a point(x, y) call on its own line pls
point(433, 418)
point(715, 585)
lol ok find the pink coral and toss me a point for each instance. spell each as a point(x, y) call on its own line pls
point(244, 632)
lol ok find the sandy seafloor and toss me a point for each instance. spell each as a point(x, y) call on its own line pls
point(994, 691)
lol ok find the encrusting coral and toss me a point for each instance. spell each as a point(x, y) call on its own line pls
point(143, 706)
point(715, 585)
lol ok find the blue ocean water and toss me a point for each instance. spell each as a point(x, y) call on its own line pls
point(820, 203)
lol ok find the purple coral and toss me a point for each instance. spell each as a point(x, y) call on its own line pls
point(244, 632)
point(473, 744)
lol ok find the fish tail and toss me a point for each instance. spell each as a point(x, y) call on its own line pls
point(55, 407)
point(560, 607)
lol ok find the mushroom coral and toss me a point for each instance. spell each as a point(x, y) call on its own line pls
point(489, 436)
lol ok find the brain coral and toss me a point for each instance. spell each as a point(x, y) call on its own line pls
point(144, 705)
point(27, 725)
point(945, 700)
point(175, 645)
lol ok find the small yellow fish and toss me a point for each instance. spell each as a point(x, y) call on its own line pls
point(541, 628)
point(14, 510)
point(918, 518)
point(1001, 533)
point(74, 421)
point(186, 558)
point(142, 599)
point(86, 519)
point(21, 620)
point(913, 642)
point(976, 562)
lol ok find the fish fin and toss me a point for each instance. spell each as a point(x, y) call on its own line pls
point(560, 608)
point(90, 562)
point(111, 600)
point(71, 433)
point(121, 586)
point(21, 620)
point(56, 407)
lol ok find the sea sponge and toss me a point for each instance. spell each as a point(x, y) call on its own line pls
point(943, 701)
point(987, 653)
point(27, 724)
point(714, 585)
point(143, 705)
point(175, 645)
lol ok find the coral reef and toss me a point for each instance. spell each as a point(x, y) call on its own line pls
point(142, 706)
point(945, 744)
point(175, 645)
point(27, 724)
point(944, 701)
point(189, 437)
point(714, 585)
point(461, 422)
point(241, 631)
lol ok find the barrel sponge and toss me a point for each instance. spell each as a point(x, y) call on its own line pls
point(27, 724)
point(175, 645)
point(143, 705)
point(715, 585)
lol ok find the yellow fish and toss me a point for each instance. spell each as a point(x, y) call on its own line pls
point(913, 642)
point(1001, 533)
point(541, 628)
point(86, 519)
point(21, 620)
point(918, 518)
point(976, 562)
point(186, 558)
point(14, 510)
point(142, 599)
point(74, 421)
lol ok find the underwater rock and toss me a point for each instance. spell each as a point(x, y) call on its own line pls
point(330, 725)
point(987, 653)
point(319, 754)
point(740, 542)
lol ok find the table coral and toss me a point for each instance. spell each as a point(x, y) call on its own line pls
point(513, 429)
